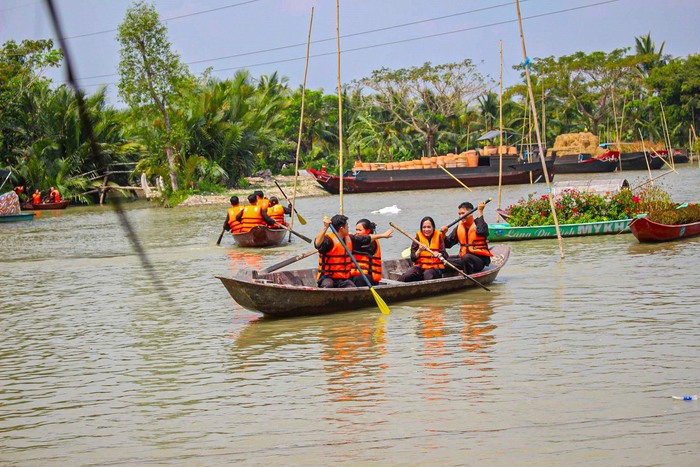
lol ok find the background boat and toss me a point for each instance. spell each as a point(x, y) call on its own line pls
point(294, 293)
point(584, 163)
point(646, 230)
point(17, 217)
point(260, 237)
point(28, 206)
point(504, 232)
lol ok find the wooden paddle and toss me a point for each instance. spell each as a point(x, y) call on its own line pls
point(438, 255)
point(383, 307)
point(302, 221)
point(218, 242)
point(288, 261)
point(456, 179)
point(464, 216)
point(303, 237)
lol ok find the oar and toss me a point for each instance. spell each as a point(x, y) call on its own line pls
point(464, 216)
point(288, 261)
point(456, 179)
point(218, 242)
point(383, 307)
point(306, 239)
point(302, 221)
point(444, 261)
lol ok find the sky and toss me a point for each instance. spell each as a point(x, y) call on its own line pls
point(264, 36)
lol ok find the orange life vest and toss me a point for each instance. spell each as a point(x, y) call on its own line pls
point(277, 213)
point(54, 196)
point(336, 263)
point(232, 222)
point(470, 242)
point(264, 203)
point(425, 259)
point(371, 265)
point(36, 198)
point(251, 218)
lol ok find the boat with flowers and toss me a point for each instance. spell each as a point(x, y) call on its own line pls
point(429, 173)
point(668, 224)
point(504, 232)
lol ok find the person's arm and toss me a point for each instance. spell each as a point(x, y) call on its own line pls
point(482, 228)
point(268, 220)
point(318, 241)
point(239, 216)
point(288, 210)
point(452, 239)
point(227, 227)
point(386, 234)
point(415, 248)
point(441, 247)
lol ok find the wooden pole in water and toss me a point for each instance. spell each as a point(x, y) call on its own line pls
point(537, 131)
point(667, 137)
point(301, 123)
point(340, 103)
point(644, 151)
point(500, 127)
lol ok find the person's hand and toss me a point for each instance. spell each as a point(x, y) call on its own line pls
point(440, 257)
point(421, 247)
point(443, 229)
point(388, 233)
point(326, 221)
point(481, 207)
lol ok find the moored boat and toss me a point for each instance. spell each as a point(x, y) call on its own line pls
point(28, 206)
point(646, 230)
point(10, 210)
point(638, 160)
point(17, 217)
point(505, 232)
point(434, 178)
point(294, 293)
point(584, 163)
point(260, 236)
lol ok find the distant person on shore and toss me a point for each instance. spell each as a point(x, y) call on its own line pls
point(426, 266)
point(253, 215)
point(277, 212)
point(231, 224)
point(471, 234)
point(334, 263)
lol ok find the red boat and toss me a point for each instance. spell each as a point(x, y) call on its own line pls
point(28, 206)
point(430, 179)
point(649, 231)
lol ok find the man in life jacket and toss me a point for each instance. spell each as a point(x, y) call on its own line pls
point(427, 254)
point(253, 215)
point(263, 202)
point(54, 195)
point(36, 197)
point(334, 263)
point(276, 211)
point(471, 234)
point(231, 224)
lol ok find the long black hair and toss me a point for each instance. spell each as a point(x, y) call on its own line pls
point(368, 225)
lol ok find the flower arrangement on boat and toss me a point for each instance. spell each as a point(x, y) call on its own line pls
point(577, 207)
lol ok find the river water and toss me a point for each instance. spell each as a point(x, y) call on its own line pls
point(107, 359)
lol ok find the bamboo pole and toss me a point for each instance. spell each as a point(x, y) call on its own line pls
point(500, 126)
point(537, 130)
point(651, 180)
point(667, 137)
point(340, 103)
point(301, 122)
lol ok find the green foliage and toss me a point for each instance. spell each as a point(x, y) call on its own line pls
point(684, 215)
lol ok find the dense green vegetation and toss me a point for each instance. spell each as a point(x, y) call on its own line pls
point(202, 134)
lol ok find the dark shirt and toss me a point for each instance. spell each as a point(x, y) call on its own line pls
point(482, 229)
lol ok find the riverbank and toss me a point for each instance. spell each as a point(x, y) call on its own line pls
point(306, 187)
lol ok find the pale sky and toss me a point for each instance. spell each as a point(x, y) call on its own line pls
point(264, 36)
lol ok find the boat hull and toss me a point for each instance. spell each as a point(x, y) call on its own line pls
point(429, 179)
point(46, 206)
point(289, 294)
point(638, 161)
point(646, 230)
point(572, 165)
point(504, 232)
point(17, 218)
point(259, 237)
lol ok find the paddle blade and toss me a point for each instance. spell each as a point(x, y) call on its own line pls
point(406, 253)
point(383, 307)
point(218, 242)
point(302, 221)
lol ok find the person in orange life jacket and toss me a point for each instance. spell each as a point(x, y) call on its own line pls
point(253, 216)
point(36, 197)
point(368, 256)
point(425, 265)
point(471, 234)
point(231, 224)
point(334, 264)
point(54, 195)
point(277, 211)
point(263, 202)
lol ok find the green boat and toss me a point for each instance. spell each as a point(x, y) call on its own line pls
point(504, 232)
point(17, 217)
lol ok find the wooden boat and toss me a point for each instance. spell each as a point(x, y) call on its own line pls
point(504, 232)
point(17, 217)
point(584, 163)
point(294, 293)
point(638, 160)
point(646, 230)
point(28, 206)
point(260, 237)
point(433, 178)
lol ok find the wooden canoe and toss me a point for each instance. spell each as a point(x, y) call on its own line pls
point(505, 232)
point(646, 230)
point(259, 237)
point(28, 206)
point(294, 293)
point(17, 217)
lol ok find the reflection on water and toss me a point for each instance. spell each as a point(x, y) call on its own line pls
point(560, 358)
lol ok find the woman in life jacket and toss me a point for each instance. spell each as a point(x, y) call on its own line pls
point(334, 263)
point(369, 256)
point(426, 266)
point(277, 212)
point(471, 234)
point(36, 197)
